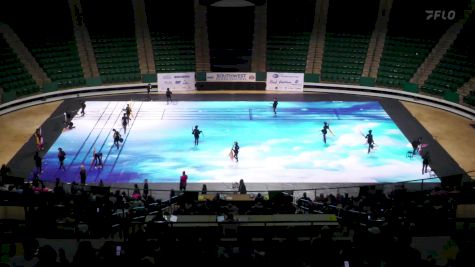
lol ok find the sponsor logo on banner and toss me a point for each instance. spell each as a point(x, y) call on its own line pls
point(285, 81)
point(181, 81)
point(231, 77)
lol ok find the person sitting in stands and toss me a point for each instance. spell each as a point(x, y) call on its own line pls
point(136, 194)
point(304, 201)
point(242, 187)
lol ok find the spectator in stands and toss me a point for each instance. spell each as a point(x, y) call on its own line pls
point(304, 201)
point(145, 188)
point(242, 187)
point(47, 256)
point(136, 193)
point(62, 260)
point(183, 180)
point(83, 174)
point(4, 173)
point(59, 190)
point(85, 255)
point(61, 158)
point(38, 162)
point(204, 189)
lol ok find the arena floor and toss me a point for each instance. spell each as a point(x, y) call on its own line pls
point(21, 124)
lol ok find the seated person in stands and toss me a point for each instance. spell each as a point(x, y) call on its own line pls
point(242, 187)
point(4, 173)
point(304, 201)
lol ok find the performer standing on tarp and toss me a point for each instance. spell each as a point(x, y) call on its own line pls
point(169, 95)
point(370, 140)
point(325, 130)
point(61, 158)
point(116, 137)
point(235, 150)
point(196, 132)
point(274, 105)
point(125, 121)
point(416, 145)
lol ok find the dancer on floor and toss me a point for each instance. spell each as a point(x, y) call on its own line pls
point(325, 130)
point(149, 89)
point(169, 95)
point(125, 121)
point(416, 145)
point(61, 158)
point(274, 105)
point(128, 111)
point(39, 140)
point(97, 159)
point(196, 132)
point(425, 162)
point(370, 140)
point(83, 107)
point(235, 151)
point(38, 162)
point(117, 138)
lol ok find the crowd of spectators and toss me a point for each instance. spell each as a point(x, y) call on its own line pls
point(376, 227)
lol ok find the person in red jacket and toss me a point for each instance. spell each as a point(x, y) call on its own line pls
point(183, 180)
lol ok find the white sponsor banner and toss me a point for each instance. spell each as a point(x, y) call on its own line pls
point(230, 76)
point(176, 81)
point(284, 81)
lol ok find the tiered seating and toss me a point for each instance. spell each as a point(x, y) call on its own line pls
point(48, 36)
point(288, 40)
point(344, 57)
point(401, 58)
point(60, 61)
point(287, 52)
point(346, 44)
point(173, 43)
point(457, 66)
point(116, 58)
point(410, 38)
point(173, 53)
point(14, 79)
point(113, 39)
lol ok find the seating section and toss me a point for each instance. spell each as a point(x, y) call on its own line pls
point(112, 35)
point(14, 78)
point(116, 58)
point(173, 43)
point(409, 40)
point(344, 57)
point(349, 28)
point(287, 52)
point(60, 61)
point(457, 66)
point(401, 58)
point(288, 40)
point(173, 53)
